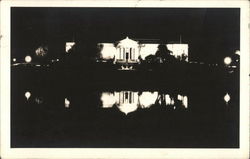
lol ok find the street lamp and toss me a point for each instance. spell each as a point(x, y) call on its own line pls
point(227, 60)
point(28, 59)
point(237, 52)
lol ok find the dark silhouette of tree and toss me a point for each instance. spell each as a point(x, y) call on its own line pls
point(161, 100)
point(164, 54)
point(235, 59)
point(99, 50)
point(183, 57)
point(41, 54)
point(140, 58)
point(150, 59)
point(72, 50)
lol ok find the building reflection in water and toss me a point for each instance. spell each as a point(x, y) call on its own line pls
point(108, 99)
point(66, 103)
point(184, 100)
point(146, 99)
point(130, 101)
point(127, 101)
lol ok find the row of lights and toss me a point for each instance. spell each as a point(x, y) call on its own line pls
point(66, 100)
point(227, 60)
point(28, 59)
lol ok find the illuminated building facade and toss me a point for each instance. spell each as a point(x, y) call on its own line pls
point(128, 51)
point(130, 101)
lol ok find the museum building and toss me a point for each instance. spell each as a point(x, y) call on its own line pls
point(128, 51)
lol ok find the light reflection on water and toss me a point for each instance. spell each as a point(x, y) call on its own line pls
point(27, 95)
point(227, 98)
point(39, 100)
point(139, 115)
point(130, 101)
point(66, 103)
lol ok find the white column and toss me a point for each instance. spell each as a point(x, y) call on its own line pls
point(120, 53)
point(134, 53)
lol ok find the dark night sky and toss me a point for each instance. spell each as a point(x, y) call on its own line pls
point(210, 33)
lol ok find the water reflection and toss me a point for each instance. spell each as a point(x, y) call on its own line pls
point(66, 103)
point(154, 116)
point(130, 101)
point(124, 101)
point(108, 99)
point(227, 98)
point(39, 100)
point(27, 95)
point(146, 99)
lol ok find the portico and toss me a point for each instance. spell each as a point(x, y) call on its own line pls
point(127, 51)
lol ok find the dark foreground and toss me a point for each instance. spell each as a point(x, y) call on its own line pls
point(70, 108)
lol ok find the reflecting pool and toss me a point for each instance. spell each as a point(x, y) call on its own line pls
point(59, 113)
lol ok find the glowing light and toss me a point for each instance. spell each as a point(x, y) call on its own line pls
point(57, 59)
point(237, 52)
point(227, 98)
point(27, 95)
point(227, 60)
point(28, 59)
point(14, 59)
point(66, 103)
